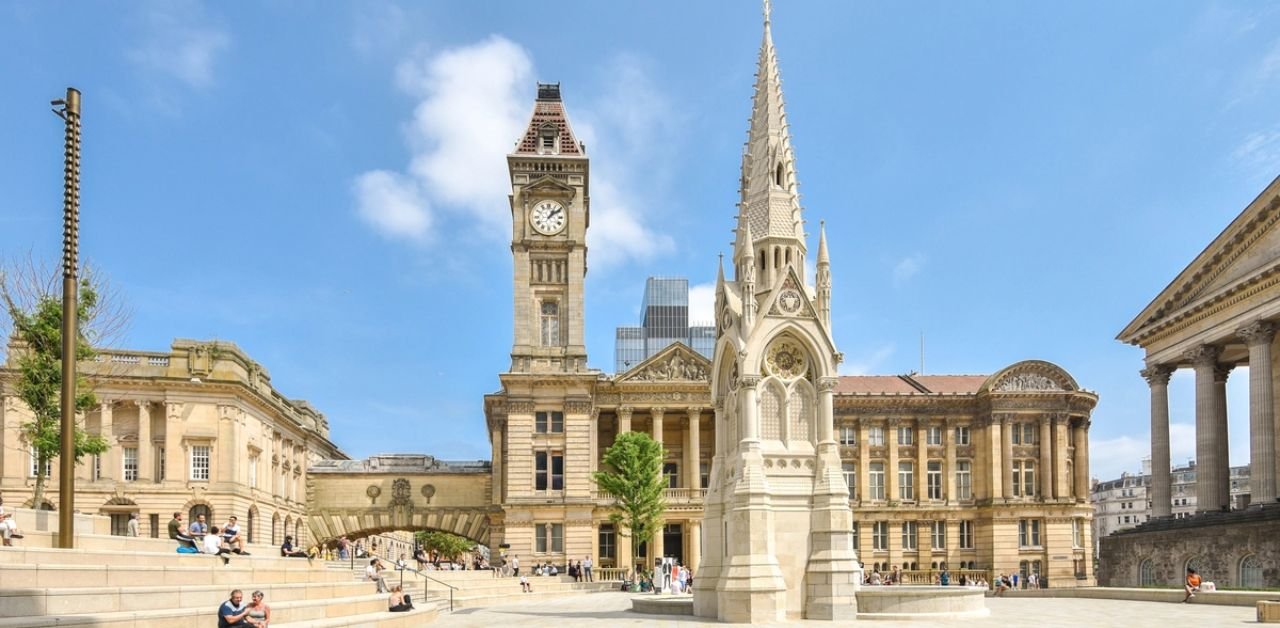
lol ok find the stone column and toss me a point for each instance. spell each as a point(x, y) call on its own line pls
point(1006, 454)
point(1262, 436)
point(864, 462)
point(949, 437)
point(174, 469)
point(144, 441)
point(695, 546)
point(624, 419)
point(1047, 471)
point(1061, 483)
point(658, 545)
point(593, 441)
point(996, 461)
point(1208, 494)
point(891, 474)
point(1220, 436)
point(495, 437)
point(692, 445)
point(108, 458)
point(1161, 484)
point(922, 461)
point(1081, 466)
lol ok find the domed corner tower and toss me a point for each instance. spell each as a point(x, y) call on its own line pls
point(777, 525)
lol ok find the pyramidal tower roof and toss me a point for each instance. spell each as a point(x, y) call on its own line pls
point(770, 198)
point(549, 132)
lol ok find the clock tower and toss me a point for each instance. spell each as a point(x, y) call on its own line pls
point(550, 212)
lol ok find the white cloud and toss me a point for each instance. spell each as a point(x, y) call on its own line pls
point(702, 303)
point(865, 364)
point(474, 102)
point(393, 205)
point(907, 268)
point(181, 42)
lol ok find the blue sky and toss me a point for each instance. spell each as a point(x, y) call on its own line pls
point(324, 183)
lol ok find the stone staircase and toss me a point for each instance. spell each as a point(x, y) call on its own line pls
point(121, 582)
point(472, 589)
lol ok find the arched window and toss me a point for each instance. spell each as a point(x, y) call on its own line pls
point(770, 413)
point(777, 175)
point(777, 257)
point(275, 526)
point(762, 261)
point(1251, 572)
point(1194, 563)
point(252, 521)
point(200, 509)
point(800, 411)
point(1146, 574)
point(297, 530)
point(787, 256)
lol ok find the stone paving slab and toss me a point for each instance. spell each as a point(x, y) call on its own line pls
point(611, 609)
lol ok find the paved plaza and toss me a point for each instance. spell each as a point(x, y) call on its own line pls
point(612, 609)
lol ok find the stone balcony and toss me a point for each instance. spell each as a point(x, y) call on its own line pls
point(677, 498)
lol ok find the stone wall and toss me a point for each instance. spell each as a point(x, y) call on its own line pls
point(1218, 542)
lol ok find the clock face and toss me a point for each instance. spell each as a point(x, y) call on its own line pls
point(548, 217)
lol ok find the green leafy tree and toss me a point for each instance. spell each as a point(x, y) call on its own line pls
point(445, 545)
point(37, 332)
point(634, 478)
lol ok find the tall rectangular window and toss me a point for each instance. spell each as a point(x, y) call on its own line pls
point(875, 437)
point(548, 422)
point(876, 473)
point(906, 435)
point(851, 478)
point(97, 467)
point(1030, 434)
point(704, 473)
point(160, 464)
point(855, 537)
point(848, 436)
point(1029, 532)
point(966, 535)
point(130, 466)
point(1028, 478)
point(962, 435)
point(550, 324)
point(939, 536)
point(1015, 433)
point(934, 435)
point(964, 480)
point(35, 466)
point(880, 535)
point(548, 473)
point(909, 531)
point(906, 480)
point(550, 538)
point(200, 462)
point(1075, 533)
point(671, 472)
point(935, 479)
point(608, 542)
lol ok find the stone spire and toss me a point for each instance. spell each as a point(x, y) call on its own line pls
point(823, 279)
point(769, 196)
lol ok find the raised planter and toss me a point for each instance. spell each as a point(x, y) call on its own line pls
point(921, 602)
point(1269, 612)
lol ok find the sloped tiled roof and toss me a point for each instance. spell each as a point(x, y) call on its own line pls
point(548, 109)
point(910, 384)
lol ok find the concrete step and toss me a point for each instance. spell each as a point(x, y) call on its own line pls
point(347, 610)
point(37, 538)
point(211, 572)
point(420, 615)
point(163, 558)
point(20, 602)
point(495, 599)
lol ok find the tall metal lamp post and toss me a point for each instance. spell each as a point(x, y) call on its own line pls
point(70, 114)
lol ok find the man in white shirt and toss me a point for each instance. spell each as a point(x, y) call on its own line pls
point(586, 567)
point(231, 534)
point(212, 544)
point(374, 573)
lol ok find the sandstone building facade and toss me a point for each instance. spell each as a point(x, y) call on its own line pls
point(916, 472)
point(197, 429)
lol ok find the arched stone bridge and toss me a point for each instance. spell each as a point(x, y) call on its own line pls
point(358, 498)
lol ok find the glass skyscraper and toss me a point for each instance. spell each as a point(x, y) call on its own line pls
point(665, 320)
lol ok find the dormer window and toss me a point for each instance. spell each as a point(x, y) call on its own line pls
point(548, 134)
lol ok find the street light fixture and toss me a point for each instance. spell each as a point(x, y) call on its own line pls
point(70, 114)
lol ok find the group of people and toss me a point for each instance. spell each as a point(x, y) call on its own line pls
point(399, 601)
point(1004, 582)
point(581, 570)
point(200, 537)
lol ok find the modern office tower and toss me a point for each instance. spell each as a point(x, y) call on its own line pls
point(665, 321)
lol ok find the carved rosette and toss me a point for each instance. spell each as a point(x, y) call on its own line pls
point(428, 491)
point(372, 493)
point(1157, 375)
point(786, 360)
point(1257, 333)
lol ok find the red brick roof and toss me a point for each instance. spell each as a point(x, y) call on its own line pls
point(545, 111)
point(909, 384)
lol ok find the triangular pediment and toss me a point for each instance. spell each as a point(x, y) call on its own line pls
point(548, 184)
point(789, 298)
point(1248, 247)
point(677, 362)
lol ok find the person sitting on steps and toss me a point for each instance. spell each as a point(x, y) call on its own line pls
point(178, 532)
point(213, 545)
point(400, 601)
point(231, 535)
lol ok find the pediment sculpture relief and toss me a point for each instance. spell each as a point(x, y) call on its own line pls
point(676, 367)
point(1027, 381)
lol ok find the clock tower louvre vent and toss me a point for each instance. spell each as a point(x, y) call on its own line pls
point(549, 91)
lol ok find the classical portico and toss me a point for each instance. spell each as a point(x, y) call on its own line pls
point(1220, 313)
